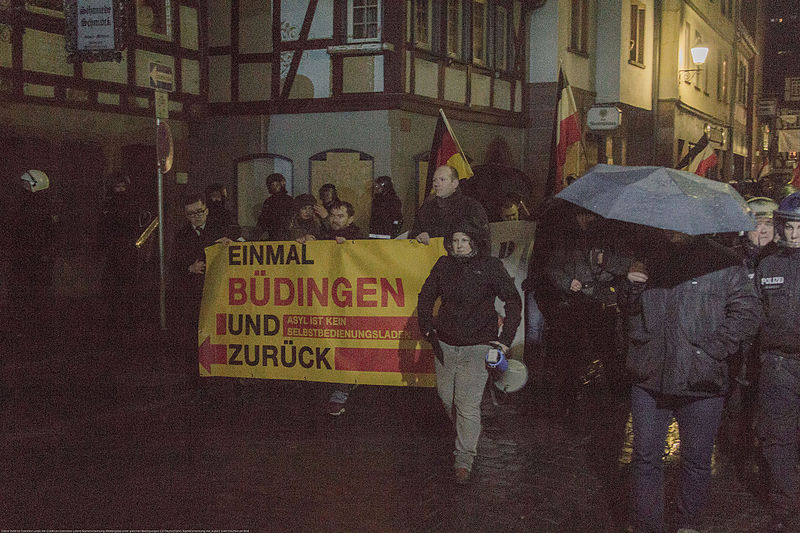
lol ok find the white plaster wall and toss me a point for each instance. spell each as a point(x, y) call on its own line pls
point(609, 25)
point(543, 44)
point(299, 136)
point(636, 83)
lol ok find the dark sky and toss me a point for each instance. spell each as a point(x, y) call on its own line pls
point(781, 44)
point(783, 7)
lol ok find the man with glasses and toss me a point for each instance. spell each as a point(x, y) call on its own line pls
point(188, 269)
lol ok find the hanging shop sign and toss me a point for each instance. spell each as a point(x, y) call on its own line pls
point(604, 118)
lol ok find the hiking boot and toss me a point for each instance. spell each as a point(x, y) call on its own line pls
point(462, 476)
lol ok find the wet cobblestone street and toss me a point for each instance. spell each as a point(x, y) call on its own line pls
point(100, 433)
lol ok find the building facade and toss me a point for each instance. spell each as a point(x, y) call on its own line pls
point(634, 55)
point(343, 91)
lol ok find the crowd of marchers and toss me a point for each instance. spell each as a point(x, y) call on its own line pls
point(695, 328)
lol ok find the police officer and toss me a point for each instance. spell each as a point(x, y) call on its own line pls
point(778, 283)
point(759, 242)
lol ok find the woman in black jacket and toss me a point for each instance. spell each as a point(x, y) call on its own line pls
point(465, 328)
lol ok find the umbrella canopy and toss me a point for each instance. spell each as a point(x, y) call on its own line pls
point(662, 198)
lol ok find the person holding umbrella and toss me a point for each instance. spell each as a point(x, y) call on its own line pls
point(689, 304)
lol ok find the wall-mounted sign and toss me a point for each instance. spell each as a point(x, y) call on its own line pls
point(94, 30)
point(161, 77)
point(767, 107)
point(603, 118)
point(792, 90)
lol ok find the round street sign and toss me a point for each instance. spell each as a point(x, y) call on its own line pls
point(164, 147)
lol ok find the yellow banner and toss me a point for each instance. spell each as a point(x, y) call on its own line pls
point(320, 311)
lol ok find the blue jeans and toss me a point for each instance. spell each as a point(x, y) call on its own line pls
point(698, 421)
point(534, 321)
point(779, 404)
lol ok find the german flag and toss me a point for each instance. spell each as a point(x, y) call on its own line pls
point(445, 150)
point(568, 159)
point(700, 158)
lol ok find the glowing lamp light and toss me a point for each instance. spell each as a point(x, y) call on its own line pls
point(699, 53)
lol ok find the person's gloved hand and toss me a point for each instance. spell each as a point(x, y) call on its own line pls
point(500, 346)
point(429, 335)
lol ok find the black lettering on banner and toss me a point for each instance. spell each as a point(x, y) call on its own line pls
point(234, 359)
point(291, 362)
point(322, 358)
point(269, 352)
point(303, 351)
point(290, 355)
point(506, 249)
point(254, 361)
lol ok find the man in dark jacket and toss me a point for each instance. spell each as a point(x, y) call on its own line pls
point(447, 207)
point(277, 211)
point(778, 283)
point(387, 210)
point(188, 270)
point(465, 328)
point(687, 310)
point(341, 216)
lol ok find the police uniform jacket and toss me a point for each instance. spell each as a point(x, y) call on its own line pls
point(696, 307)
point(778, 284)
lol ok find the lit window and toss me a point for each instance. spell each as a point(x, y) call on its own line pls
point(637, 34)
point(579, 26)
point(698, 80)
point(722, 81)
point(455, 22)
point(364, 20)
point(480, 31)
point(742, 85)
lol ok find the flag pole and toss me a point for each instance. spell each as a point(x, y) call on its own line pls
point(583, 143)
point(452, 135)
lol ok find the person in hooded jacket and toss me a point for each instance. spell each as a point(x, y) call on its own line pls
point(387, 210)
point(466, 327)
point(689, 304)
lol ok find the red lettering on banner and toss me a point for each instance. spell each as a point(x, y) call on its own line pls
point(398, 295)
point(279, 299)
point(287, 291)
point(236, 291)
point(343, 298)
point(362, 291)
point(222, 321)
point(412, 360)
point(254, 299)
point(314, 290)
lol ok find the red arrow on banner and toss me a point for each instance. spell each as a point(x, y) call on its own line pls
point(212, 354)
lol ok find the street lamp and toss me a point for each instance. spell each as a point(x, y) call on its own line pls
point(699, 54)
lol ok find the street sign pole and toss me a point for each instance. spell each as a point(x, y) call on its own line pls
point(162, 294)
point(161, 79)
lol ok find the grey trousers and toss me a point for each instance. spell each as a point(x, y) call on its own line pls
point(460, 382)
